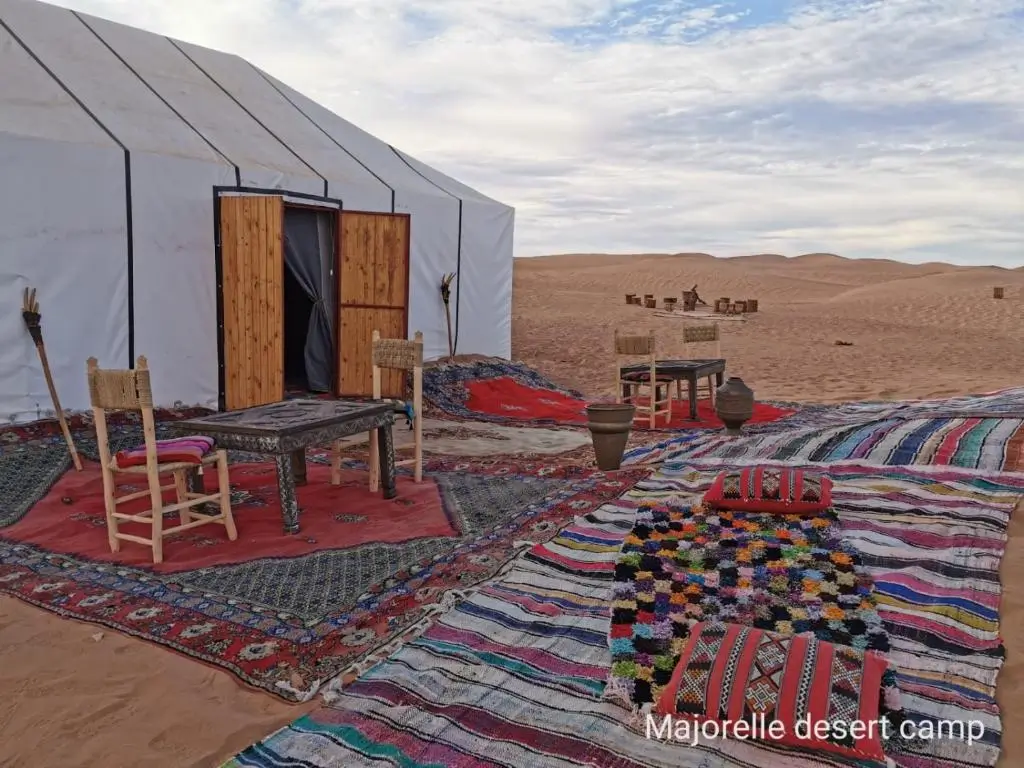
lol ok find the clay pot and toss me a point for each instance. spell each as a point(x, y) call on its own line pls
point(610, 425)
point(734, 403)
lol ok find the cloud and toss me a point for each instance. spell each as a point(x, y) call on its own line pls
point(884, 128)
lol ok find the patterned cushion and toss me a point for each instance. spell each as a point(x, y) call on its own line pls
point(729, 672)
point(770, 489)
point(189, 450)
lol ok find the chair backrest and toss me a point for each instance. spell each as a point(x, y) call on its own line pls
point(122, 390)
point(703, 334)
point(400, 355)
point(696, 334)
point(634, 345)
point(119, 390)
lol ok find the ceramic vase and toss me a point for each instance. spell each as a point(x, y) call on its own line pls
point(610, 425)
point(734, 403)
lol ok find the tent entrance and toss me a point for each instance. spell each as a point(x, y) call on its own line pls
point(309, 300)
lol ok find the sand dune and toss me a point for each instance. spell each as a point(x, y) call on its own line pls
point(917, 330)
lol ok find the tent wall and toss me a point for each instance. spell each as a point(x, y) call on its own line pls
point(485, 268)
point(62, 232)
point(175, 275)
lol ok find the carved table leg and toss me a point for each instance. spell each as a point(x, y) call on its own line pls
point(386, 457)
point(299, 465)
point(286, 488)
point(692, 382)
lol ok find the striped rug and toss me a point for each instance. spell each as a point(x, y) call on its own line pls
point(513, 674)
point(990, 443)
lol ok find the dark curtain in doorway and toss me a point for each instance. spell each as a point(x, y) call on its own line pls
point(309, 254)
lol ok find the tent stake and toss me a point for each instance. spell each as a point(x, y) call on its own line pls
point(30, 313)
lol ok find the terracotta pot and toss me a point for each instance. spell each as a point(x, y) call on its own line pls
point(734, 403)
point(610, 425)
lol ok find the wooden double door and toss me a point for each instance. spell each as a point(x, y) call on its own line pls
point(372, 271)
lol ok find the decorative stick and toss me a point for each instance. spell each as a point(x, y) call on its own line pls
point(446, 295)
point(32, 318)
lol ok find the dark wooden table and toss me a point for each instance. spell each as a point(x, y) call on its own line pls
point(690, 371)
point(285, 430)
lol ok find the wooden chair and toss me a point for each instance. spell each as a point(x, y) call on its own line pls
point(401, 355)
point(630, 387)
point(701, 334)
point(128, 390)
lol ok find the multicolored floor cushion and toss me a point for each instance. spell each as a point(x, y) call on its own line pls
point(682, 565)
point(771, 489)
point(791, 690)
point(186, 450)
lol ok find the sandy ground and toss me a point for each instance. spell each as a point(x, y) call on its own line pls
point(76, 695)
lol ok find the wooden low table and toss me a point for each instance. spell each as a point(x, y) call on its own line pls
point(285, 430)
point(690, 371)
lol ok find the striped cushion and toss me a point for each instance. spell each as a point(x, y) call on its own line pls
point(188, 450)
point(820, 696)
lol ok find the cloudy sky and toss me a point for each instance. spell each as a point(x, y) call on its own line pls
point(885, 128)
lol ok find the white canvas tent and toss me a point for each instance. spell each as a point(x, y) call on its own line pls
point(114, 143)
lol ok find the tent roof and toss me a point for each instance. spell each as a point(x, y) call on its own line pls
point(75, 78)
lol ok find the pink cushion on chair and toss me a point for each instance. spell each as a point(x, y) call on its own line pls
point(187, 450)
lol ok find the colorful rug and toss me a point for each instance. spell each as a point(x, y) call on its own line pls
point(511, 393)
point(512, 676)
point(989, 443)
point(288, 623)
point(931, 539)
point(682, 564)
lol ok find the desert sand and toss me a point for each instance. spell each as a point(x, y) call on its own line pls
point(78, 695)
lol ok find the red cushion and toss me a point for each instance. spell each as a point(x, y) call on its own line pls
point(727, 673)
point(770, 489)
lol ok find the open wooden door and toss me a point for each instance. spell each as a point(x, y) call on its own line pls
point(373, 293)
point(252, 300)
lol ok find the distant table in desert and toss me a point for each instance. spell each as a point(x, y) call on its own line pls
point(285, 430)
point(690, 371)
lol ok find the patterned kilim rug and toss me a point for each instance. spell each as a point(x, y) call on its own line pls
point(287, 624)
point(512, 393)
point(514, 674)
point(783, 573)
point(908, 437)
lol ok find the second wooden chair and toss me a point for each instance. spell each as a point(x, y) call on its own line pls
point(400, 355)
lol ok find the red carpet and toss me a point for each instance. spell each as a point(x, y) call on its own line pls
point(332, 517)
point(510, 399)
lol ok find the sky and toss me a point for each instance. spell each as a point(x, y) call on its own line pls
point(868, 128)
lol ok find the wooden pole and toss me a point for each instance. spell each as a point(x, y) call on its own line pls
point(30, 313)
